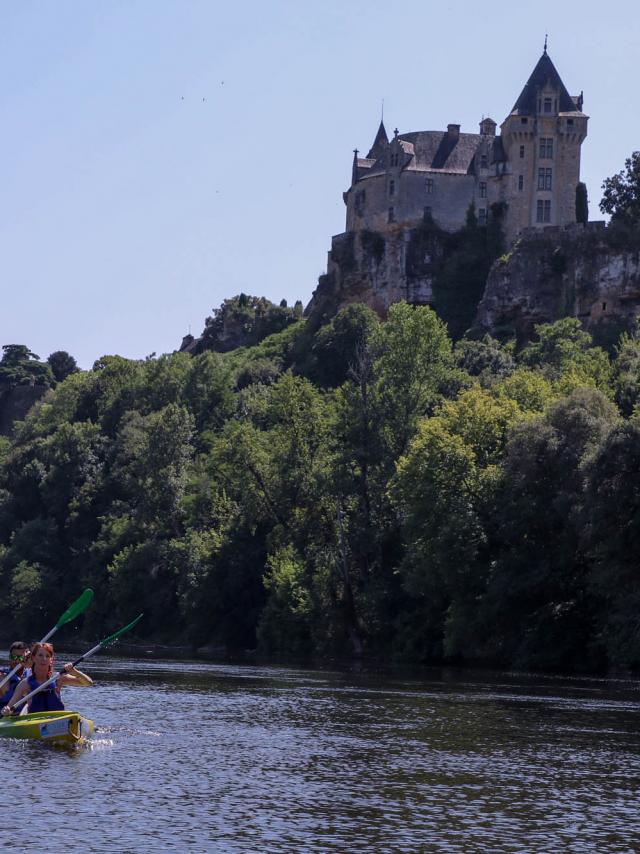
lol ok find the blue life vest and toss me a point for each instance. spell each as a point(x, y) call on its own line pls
point(9, 687)
point(47, 700)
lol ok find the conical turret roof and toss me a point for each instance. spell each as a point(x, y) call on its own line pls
point(379, 143)
point(544, 73)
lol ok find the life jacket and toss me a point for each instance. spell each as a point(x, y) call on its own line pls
point(47, 700)
point(9, 687)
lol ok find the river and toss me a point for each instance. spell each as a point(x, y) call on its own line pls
point(204, 757)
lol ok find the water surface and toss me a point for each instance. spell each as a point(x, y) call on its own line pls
point(203, 757)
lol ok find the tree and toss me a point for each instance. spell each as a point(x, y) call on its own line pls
point(613, 538)
point(335, 347)
point(20, 366)
point(582, 203)
point(564, 352)
point(62, 365)
point(538, 609)
point(621, 198)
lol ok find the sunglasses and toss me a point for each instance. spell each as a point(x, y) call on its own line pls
point(13, 657)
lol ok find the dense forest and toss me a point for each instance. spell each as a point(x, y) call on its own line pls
point(352, 487)
point(365, 488)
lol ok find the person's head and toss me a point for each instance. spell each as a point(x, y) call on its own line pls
point(19, 653)
point(42, 657)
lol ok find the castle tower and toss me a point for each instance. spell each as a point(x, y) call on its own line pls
point(541, 140)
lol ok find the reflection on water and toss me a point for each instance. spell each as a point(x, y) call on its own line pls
point(200, 757)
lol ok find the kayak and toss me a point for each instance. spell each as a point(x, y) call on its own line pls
point(57, 727)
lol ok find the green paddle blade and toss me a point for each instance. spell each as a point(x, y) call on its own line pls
point(117, 634)
point(76, 608)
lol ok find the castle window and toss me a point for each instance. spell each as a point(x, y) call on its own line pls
point(521, 182)
point(545, 179)
point(482, 216)
point(546, 147)
point(524, 120)
point(543, 210)
point(570, 122)
point(392, 215)
point(547, 105)
point(522, 151)
point(429, 185)
point(484, 162)
point(604, 306)
point(483, 190)
point(392, 187)
point(394, 158)
point(360, 197)
point(427, 213)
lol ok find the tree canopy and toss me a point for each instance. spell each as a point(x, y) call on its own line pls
point(359, 488)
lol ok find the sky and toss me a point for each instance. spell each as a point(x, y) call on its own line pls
point(160, 156)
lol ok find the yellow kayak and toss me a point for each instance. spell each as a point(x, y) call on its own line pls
point(58, 727)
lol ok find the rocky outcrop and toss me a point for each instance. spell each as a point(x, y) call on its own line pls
point(378, 269)
point(424, 265)
point(573, 271)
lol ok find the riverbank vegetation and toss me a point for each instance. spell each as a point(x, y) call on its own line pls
point(364, 488)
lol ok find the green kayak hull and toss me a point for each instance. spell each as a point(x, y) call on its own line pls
point(58, 727)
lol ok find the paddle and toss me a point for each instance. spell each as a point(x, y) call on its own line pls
point(74, 610)
point(111, 639)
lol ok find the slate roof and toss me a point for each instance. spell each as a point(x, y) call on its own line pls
point(544, 72)
point(379, 143)
point(442, 151)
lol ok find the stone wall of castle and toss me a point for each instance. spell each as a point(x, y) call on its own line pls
point(385, 201)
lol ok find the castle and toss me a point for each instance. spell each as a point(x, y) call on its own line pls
point(526, 176)
point(532, 168)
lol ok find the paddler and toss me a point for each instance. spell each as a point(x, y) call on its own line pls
point(19, 654)
point(48, 700)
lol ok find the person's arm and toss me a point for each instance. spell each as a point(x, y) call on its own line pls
point(21, 691)
point(71, 676)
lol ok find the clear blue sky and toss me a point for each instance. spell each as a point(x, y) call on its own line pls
point(158, 156)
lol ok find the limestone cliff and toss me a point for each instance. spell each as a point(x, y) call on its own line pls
point(422, 266)
point(587, 273)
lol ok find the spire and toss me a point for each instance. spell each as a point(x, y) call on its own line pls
point(544, 73)
point(354, 167)
point(380, 143)
point(546, 36)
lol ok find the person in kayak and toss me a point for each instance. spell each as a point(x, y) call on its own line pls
point(48, 700)
point(19, 654)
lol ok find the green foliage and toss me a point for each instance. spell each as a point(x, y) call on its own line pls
point(244, 321)
point(286, 619)
point(582, 203)
point(19, 366)
point(359, 488)
point(564, 353)
point(336, 346)
point(621, 197)
point(486, 359)
point(62, 365)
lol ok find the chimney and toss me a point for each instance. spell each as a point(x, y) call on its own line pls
point(453, 131)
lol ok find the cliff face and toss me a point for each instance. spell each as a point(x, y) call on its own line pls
point(574, 271)
point(422, 266)
point(371, 267)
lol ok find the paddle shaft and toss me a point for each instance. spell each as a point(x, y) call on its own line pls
point(11, 673)
point(53, 678)
point(75, 609)
point(98, 646)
